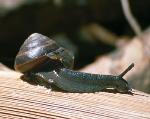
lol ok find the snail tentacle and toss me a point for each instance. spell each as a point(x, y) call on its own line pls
point(74, 81)
point(42, 60)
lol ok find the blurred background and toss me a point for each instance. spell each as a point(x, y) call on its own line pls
point(65, 19)
point(88, 28)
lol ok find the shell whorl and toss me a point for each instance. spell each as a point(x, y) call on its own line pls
point(36, 43)
point(38, 48)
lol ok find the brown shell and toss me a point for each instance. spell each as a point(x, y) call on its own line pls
point(37, 49)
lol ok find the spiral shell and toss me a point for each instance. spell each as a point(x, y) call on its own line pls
point(37, 49)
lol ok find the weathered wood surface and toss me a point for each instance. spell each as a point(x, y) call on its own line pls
point(19, 99)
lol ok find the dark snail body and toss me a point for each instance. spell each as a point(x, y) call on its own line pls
point(52, 64)
point(74, 81)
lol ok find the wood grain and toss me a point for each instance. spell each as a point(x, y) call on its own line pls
point(19, 99)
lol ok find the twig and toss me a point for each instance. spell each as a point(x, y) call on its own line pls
point(130, 18)
point(101, 33)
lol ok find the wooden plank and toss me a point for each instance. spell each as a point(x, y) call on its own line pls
point(19, 99)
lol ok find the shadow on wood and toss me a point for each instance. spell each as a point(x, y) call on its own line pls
point(19, 99)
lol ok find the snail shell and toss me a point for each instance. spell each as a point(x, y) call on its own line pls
point(41, 58)
point(37, 49)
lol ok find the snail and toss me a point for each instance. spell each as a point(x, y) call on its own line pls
point(41, 58)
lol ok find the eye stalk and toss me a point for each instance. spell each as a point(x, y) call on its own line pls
point(123, 86)
point(49, 63)
point(127, 70)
